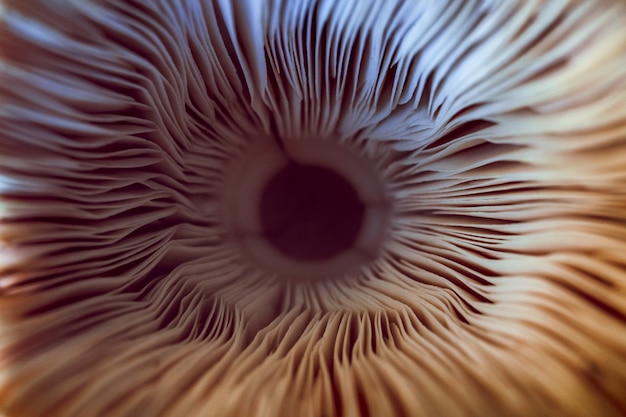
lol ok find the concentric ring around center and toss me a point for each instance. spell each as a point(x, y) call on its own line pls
point(309, 209)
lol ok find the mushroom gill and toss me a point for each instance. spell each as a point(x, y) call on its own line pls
point(317, 208)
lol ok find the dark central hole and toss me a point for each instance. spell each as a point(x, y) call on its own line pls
point(310, 212)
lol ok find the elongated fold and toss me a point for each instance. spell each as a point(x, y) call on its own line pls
point(484, 143)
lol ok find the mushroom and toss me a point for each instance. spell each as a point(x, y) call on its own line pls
point(317, 208)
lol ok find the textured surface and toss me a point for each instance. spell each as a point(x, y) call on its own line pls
point(498, 127)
